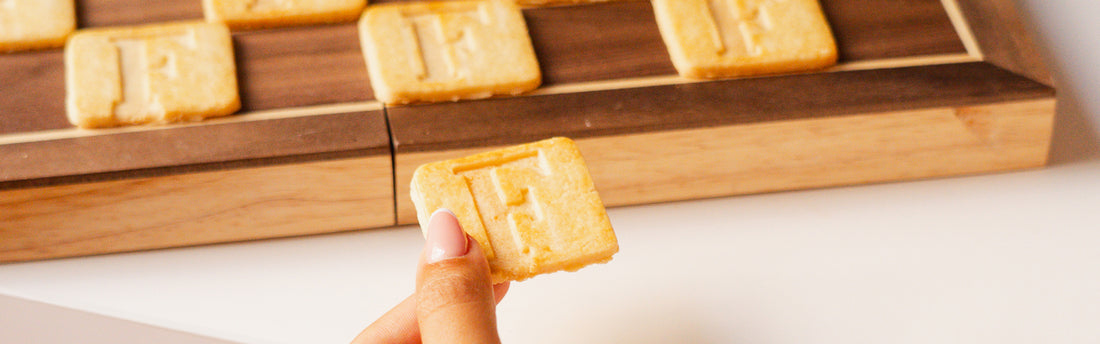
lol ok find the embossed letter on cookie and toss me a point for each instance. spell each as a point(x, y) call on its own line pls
point(150, 74)
point(725, 38)
point(446, 51)
point(533, 208)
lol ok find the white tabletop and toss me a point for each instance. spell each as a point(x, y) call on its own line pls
point(1004, 258)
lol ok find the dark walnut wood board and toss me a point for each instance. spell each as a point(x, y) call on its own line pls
point(923, 89)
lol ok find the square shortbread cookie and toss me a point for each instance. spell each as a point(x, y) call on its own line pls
point(35, 24)
point(727, 38)
point(447, 50)
point(150, 74)
point(254, 14)
point(533, 208)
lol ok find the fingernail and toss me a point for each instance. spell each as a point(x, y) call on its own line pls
point(446, 239)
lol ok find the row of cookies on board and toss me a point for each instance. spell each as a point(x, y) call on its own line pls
point(441, 51)
point(422, 52)
point(253, 14)
point(42, 24)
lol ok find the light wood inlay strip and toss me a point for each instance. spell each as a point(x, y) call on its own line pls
point(902, 62)
point(954, 12)
point(664, 80)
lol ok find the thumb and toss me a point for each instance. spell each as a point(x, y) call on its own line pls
point(454, 292)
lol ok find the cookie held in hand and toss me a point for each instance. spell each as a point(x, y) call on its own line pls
point(533, 208)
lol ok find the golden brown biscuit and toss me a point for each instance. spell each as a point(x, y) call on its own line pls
point(727, 38)
point(533, 208)
point(150, 74)
point(254, 14)
point(537, 3)
point(35, 24)
point(447, 50)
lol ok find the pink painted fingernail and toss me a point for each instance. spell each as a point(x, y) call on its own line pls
point(446, 239)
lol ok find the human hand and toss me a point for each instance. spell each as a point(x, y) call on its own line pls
point(454, 302)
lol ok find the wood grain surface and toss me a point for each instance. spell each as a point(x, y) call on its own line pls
point(876, 29)
point(302, 66)
point(96, 13)
point(32, 85)
point(807, 152)
point(820, 152)
point(181, 149)
point(1005, 38)
point(503, 121)
point(196, 208)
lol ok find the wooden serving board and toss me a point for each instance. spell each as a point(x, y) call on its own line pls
point(923, 88)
